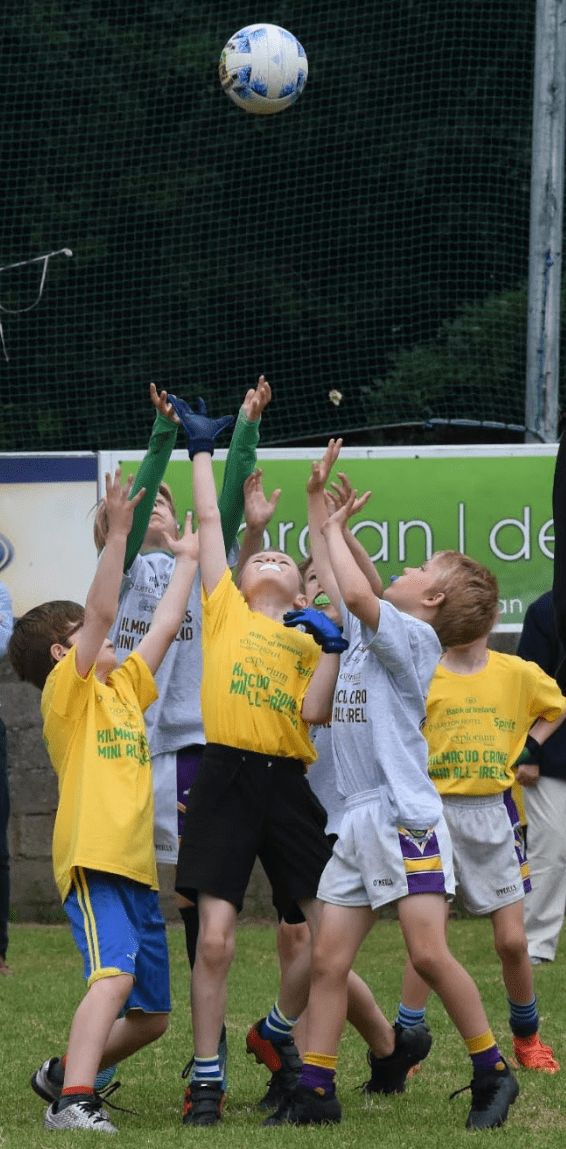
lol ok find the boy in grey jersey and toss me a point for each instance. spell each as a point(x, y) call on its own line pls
point(393, 843)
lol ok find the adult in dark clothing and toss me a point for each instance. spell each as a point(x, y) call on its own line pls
point(543, 641)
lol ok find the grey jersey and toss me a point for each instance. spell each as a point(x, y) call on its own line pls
point(321, 777)
point(379, 709)
point(174, 719)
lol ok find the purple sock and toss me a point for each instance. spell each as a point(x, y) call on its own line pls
point(490, 1059)
point(316, 1077)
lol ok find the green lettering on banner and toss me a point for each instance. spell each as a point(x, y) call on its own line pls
point(492, 502)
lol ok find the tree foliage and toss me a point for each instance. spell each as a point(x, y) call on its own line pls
point(386, 211)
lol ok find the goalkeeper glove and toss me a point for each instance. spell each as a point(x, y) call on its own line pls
point(324, 631)
point(200, 430)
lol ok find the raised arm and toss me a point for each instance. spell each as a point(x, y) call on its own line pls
point(152, 469)
point(172, 607)
point(258, 512)
point(102, 599)
point(318, 514)
point(341, 492)
point(201, 431)
point(211, 540)
point(353, 586)
point(241, 459)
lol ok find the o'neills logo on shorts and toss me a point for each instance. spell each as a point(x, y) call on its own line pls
point(505, 890)
point(383, 881)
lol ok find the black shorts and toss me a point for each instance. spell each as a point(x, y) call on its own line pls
point(294, 916)
point(244, 806)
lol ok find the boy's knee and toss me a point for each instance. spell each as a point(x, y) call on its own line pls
point(512, 946)
point(160, 1024)
point(215, 949)
point(427, 962)
point(151, 1026)
point(292, 941)
point(325, 965)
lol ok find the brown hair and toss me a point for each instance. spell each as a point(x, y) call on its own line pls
point(100, 529)
point(35, 633)
point(471, 601)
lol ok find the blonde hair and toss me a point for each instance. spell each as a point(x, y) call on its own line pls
point(305, 566)
point(100, 529)
point(36, 632)
point(471, 601)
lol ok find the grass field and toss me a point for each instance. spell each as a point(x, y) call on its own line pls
point(36, 1006)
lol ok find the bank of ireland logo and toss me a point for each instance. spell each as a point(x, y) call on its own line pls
point(6, 552)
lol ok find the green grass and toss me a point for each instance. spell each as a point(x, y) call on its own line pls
point(36, 1006)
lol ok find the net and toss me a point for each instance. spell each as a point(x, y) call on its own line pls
point(366, 249)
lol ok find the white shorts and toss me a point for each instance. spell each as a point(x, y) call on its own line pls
point(489, 854)
point(165, 830)
point(374, 863)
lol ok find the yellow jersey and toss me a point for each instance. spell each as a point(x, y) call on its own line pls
point(476, 724)
point(95, 737)
point(255, 674)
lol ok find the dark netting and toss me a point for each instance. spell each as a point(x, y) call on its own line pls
point(372, 240)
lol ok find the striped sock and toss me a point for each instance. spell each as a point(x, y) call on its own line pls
point(319, 1072)
point(484, 1052)
point(104, 1077)
point(407, 1018)
point(74, 1093)
point(276, 1026)
point(206, 1069)
point(523, 1019)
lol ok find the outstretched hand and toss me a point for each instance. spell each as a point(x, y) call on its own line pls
point(339, 494)
point(322, 469)
point(323, 630)
point(258, 510)
point(256, 399)
point(185, 545)
point(200, 430)
point(162, 404)
point(339, 518)
point(119, 507)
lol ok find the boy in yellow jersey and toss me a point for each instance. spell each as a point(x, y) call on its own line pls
point(261, 684)
point(393, 844)
point(483, 708)
point(103, 854)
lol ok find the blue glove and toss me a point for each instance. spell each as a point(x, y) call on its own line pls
point(324, 631)
point(200, 430)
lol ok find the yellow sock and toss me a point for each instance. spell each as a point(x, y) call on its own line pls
point(321, 1060)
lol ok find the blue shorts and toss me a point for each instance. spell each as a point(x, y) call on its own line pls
point(118, 927)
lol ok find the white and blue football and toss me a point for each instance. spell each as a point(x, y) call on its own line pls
point(263, 68)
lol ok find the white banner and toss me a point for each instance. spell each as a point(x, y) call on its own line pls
point(46, 545)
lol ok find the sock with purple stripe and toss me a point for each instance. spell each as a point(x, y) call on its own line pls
point(484, 1052)
point(318, 1072)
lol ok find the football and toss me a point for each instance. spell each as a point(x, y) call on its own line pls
point(263, 68)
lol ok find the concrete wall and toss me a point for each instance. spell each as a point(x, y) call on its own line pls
point(33, 793)
point(33, 797)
